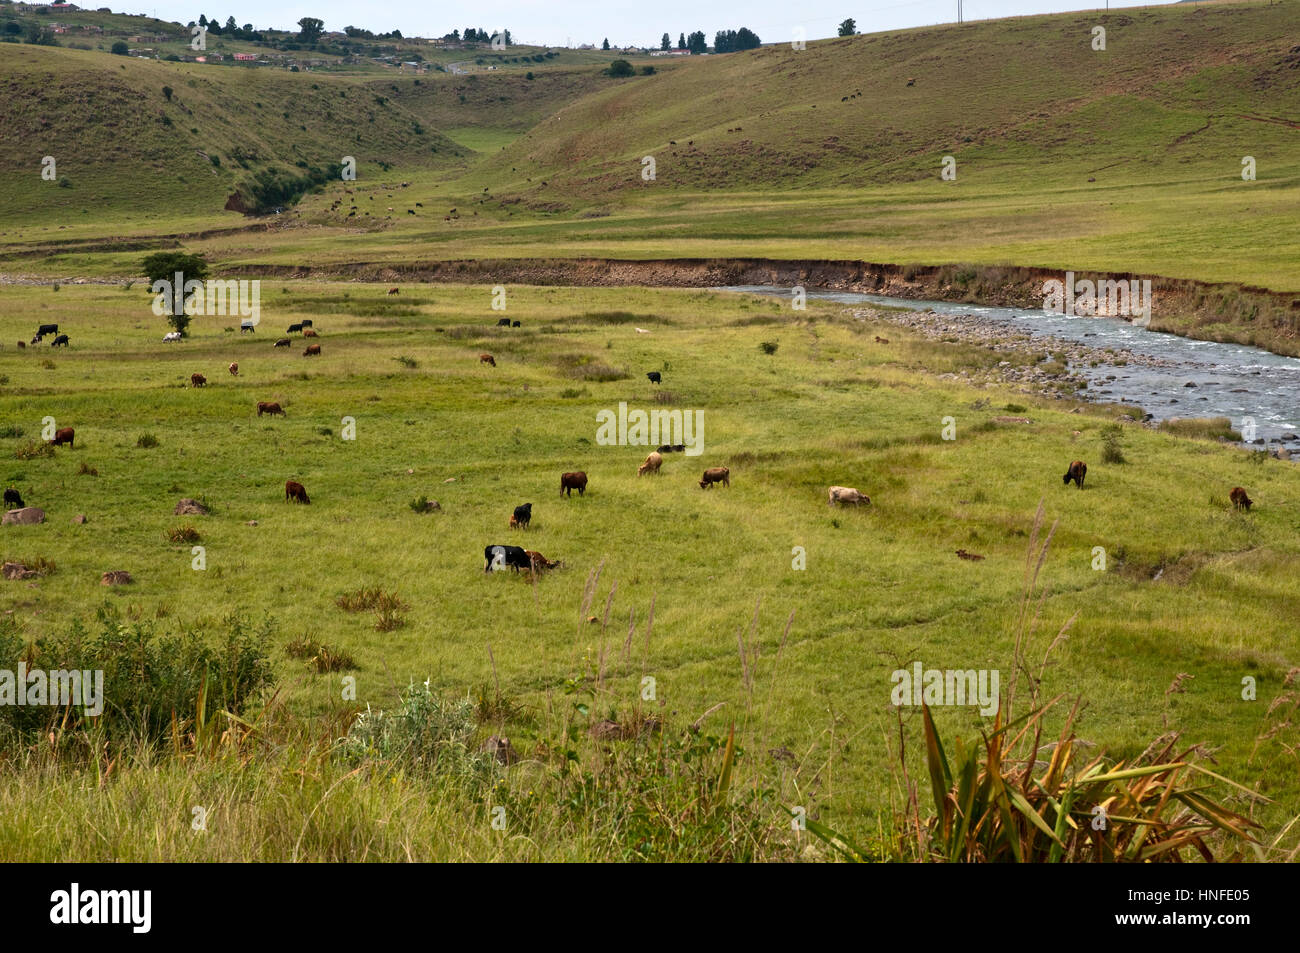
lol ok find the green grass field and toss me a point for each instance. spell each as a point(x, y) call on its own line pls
point(881, 588)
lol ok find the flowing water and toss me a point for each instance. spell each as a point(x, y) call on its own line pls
point(1232, 380)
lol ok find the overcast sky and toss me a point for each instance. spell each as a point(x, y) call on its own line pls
point(564, 22)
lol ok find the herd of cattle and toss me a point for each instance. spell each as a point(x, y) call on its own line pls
point(498, 556)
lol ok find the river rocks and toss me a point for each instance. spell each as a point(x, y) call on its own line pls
point(188, 507)
point(27, 516)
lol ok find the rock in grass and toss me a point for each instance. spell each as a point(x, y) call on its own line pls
point(27, 516)
point(188, 507)
point(115, 577)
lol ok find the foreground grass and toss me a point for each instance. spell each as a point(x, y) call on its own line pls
point(882, 585)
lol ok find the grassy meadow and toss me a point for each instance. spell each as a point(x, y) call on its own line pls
point(810, 700)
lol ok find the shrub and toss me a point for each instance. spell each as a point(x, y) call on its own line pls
point(319, 656)
point(146, 441)
point(620, 68)
point(388, 607)
point(183, 534)
point(407, 361)
point(120, 49)
point(11, 430)
point(768, 347)
point(421, 504)
point(1112, 447)
point(35, 450)
point(424, 733)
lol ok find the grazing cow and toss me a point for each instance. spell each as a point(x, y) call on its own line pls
point(655, 377)
point(45, 329)
point(577, 480)
point(60, 341)
point(503, 322)
point(880, 340)
point(522, 517)
point(36, 340)
point(283, 342)
point(247, 326)
point(12, 500)
point(308, 323)
point(295, 491)
point(198, 380)
point(715, 475)
point(311, 349)
point(393, 291)
point(499, 557)
point(651, 465)
point(309, 333)
point(514, 324)
point(294, 328)
point(846, 494)
point(911, 82)
point(269, 407)
point(1078, 470)
point(171, 336)
point(672, 448)
point(63, 435)
point(540, 562)
point(487, 359)
point(1238, 496)
point(234, 368)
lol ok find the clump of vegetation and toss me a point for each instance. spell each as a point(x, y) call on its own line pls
point(11, 430)
point(146, 441)
point(768, 347)
point(1112, 444)
point(183, 534)
point(422, 504)
point(319, 656)
point(424, 733)
point(407, 361)
point(35, 450)
point(1203, 428)
point(325, 431)
point(388, 607)
point(588, 368)
point(39, 564)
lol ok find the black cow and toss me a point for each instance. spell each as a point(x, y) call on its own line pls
point(13, 500)
point(503, 323)
point(673, 448)
point(247, 326)
point(45, 329)
point(514, 324)
point(523, 516)
point(655, 378)
point(503, 556)
point(61, 340)
point(307, 323)
point(283, 342)
point(293, 328)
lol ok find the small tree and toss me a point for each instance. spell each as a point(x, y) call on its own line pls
point(681, 41)
point(620, 68)
point(849, 27)
point(666, 43)
point(173, 267)
point(120, 49)
point(605, 45)
point(311, 29)
point(167, 92)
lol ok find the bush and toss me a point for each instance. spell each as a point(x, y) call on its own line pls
point(146, 441)
point(620, 68)
point(120, 49)
point(407, 361)
point(154, 687)
point(421, 504)
point(35, 450)
point(1112, 448)
point(319, 656)
point(424, 733)
point(768, 347)
point(183, 534)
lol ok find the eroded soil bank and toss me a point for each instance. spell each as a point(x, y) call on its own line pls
point(1214, 312)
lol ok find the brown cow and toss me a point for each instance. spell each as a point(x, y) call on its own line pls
point(715, 475)
point(269, 407)
point(309, 333)
point(234, 369)
point(1078, 470)
point(577, 480)
point(487, 359)
point(1239, 499)
point(393, 291)
point(540, 562)
point(311, 349)
point(198, 380)
point(63, 435)
point(22, 343)
point(652, 463)
point(295, 491)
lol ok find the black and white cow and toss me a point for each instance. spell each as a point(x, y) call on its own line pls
point(497, 558)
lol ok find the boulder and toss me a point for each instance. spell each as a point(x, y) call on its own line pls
point(18, 571)
point(27, 516)
point(115, 577)
point(188, 507)
point(500, 749)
